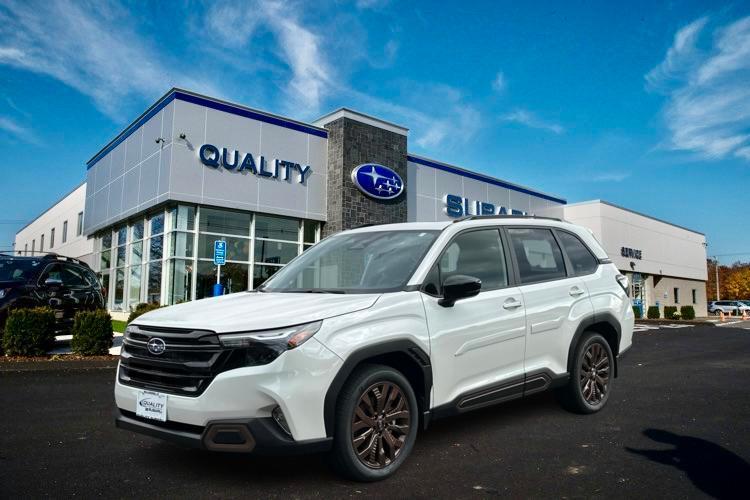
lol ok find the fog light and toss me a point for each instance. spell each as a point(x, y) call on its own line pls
point(278, 416)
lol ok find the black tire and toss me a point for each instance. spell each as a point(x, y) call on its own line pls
point(360, 393)
point(575, 396)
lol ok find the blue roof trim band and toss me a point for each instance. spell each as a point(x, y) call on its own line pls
point(483, 178)
point(132, 128)
point(208, 103)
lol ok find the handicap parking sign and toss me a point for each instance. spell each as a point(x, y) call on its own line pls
point(220, 252)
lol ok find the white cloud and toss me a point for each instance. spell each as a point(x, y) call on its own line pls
point(371, 4)
point(11, 127)
point(529, 119)
point(708, 108)
point(299, 48)
point(91, 47)
point(610, 177)
point(450, 122)
point(499, 83)
point(679, 56)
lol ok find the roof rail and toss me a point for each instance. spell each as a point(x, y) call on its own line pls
point(65, 258)
point(478, 217)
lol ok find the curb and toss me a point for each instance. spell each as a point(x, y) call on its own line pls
point(674, 322)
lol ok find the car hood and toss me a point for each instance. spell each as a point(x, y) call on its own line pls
point(247, 311)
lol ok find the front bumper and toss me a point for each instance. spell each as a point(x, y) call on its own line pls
point(256, 435)
point(296, 382)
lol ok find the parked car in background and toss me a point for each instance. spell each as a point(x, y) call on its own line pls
point(735, 307)
point(64, 284)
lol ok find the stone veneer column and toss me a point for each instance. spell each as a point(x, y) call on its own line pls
point(352, 143)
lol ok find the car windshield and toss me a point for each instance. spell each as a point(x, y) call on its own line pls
point(360, 262)
point(19, 269)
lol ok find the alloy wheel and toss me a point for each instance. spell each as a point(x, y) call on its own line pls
point(594, 376)
point(380, 424)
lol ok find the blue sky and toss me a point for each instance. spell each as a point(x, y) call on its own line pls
point(642, 104)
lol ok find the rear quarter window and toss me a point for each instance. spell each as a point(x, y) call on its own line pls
point(581, 258)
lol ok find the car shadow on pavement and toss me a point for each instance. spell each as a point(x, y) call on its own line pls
point(712, 468)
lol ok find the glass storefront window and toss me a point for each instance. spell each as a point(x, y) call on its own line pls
point(122, 236)
point(237, 248)
point(156, 248)
point(136, 253)
point(157, 224)
point(310, 230)
point(119, 288)
point(261, 273)
point(153, 292)
point(275, 252)
point(233, 277)
point(105, 260)
point(224, 222)
point(183, 218)
point(138, 230)
point(180, 281)
point(121, 256)
point(134, 285)
point(182, 245)
point(276, 228)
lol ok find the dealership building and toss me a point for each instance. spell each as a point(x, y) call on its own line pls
point(192, 170)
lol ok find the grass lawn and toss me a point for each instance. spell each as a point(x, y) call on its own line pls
point(118, 326)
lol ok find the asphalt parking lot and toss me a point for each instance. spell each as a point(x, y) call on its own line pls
point(677, 425)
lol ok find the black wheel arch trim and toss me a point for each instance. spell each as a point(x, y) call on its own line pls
point(396, 346)
point(585, 324)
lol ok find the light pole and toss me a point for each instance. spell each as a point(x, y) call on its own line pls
point(716, 268)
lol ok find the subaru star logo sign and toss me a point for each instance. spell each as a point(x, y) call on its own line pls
point(377, 181)
point(156, 346)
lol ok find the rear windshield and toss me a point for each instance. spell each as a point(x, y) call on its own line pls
point(23, 270)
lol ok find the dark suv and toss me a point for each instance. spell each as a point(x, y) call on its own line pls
point(64, 284)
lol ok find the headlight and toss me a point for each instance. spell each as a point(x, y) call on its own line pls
point(4, 292)
point(289, 337)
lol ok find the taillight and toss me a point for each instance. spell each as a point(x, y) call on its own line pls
point(622, 280)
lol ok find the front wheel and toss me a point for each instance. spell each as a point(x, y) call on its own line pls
point(376, 423)
point(591, 378)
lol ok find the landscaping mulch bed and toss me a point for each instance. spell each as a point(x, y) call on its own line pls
point(57, 362)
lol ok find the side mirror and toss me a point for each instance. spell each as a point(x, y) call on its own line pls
point(53, 283)
point(459, 287)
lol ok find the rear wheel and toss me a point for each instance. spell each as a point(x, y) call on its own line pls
point(376, 423)
point(590, 382)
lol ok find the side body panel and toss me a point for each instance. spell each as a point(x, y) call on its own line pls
point(476, 343)
point(554, 310)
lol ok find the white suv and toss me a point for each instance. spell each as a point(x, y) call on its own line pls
point(375, 332)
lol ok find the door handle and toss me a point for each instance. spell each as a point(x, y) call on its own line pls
point(512, 304)
point(575, 291)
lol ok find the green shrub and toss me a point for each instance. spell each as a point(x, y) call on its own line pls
point(688, 312)
point(142, 308)
point(92, 333)
point(669, 312)
point(29, 332)
point(653, 312)
point(637, 312)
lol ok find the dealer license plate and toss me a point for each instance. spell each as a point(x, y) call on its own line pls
point(151, 405)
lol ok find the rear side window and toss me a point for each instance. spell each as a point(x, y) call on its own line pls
point(475, 253)
point(73, 276)
point(538, 255)
point(580, 256)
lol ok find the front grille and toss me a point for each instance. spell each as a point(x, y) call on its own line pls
point(190, 361)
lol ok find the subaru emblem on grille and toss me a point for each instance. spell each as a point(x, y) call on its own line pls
point(156, 346)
